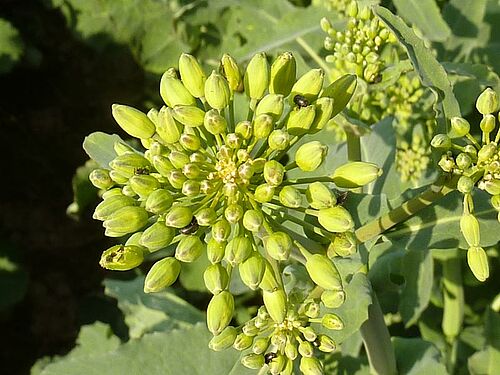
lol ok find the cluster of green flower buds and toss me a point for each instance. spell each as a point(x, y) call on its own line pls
point(412, 159)
point(477, 165)
point(357, 49)
point(339, 6)
point(284, 331)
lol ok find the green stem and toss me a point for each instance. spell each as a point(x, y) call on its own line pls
point(377, 341)
point(354, 152)
point(378, 226)
point(307, 180)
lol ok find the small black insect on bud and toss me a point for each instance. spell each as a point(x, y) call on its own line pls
point(300, 101)
point(191, 227)
point(378, 78)
point(141, 170)
point(341, 198)
point(316, 342)
point(269, 357)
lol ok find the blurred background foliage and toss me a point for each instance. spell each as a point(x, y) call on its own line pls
point(62, 64)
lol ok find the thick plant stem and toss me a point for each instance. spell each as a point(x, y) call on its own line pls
point(376, 227)
point(377, 341)
point(354, 152)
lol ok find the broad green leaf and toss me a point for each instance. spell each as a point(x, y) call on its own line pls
point(99, 146)
point(425, 15)
point(84, 193)
point(430, 71)
point(11, 46)
point(183, 351)
point(415, 357)
point(144, 313)
point(191, 275)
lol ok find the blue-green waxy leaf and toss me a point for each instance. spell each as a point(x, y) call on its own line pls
point(415, 356)
point(99, 146)
point(425, 15)
point(430, 71)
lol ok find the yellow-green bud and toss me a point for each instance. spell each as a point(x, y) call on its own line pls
point(291, 350)
point(242, 342)
point(308, 333)
point(495, 202)
point(272, 104)
point(189, 249)
point(220, 312)
point(216, 278)
point(441, 142)
point(190, 142)
point(215, 250)
point(260, 345)
point(320, 196)
point(465, 184)
point(190, 188)
point(110, 205)
point(100, 179)
point(274, 172)
point(309, 85)
point(167, 127)
point(133, 121)
point(143, 185)
point(326, 344)
point(176, 178)
point(233, 213)
point(256, 77)
point(135, 239)
point(278, 140)
point(253, 361)
point(492, 187)
point(221, 230)
point(311, 366)
point(214, 122)
point(224, 340)
point(178, 217)
point(469, 226)
point(244, 129)
point(112, 193)
point(278, 245)
point(157, 236)
point(283, 71)
point(162, 274)
point(276, 304)
point(269, 282)
point(206, 216)
point(312, 309)
point(356, 174)
point(123, 148)
point(126, 220)
point(173, 92)
point(306, 349)
point(262, 126)
point(332, 321)
point(252, 270)
point(189, 115)
point(310, 155)
point(162, 165)
point(324, 110)
point(238, 250)
point(487, 102)
point(300, 120)
point(127, 164)
point(252, 220)
point(341, 91)
point(231, 71)
point(333, 298)
point(217, 92)
point(463, 161)
point(250, 329)
point(487, 124)
point(290, 197)
point(277, 365)
point(127, 191)
point(121, 258)
point(336, 219)
point(478, 262)
point(323, 272)
point(486, 152)
point(343, 244)
point(192, 75)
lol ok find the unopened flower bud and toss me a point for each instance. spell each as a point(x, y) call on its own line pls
point(278, 140)
point(244, 129)
point(123, 148)
point(178, 217)
point(126, 220)
point(274, 173)
point(290, 197)
point(253, 361)
point(465, 184)
point(214, 122)
point(300, 120)
point(157, 236)
point(343, 244)
point(206, 216)
point(309, 333)
point(143, 185)
point(356, 174)
point(277, 365)
point(162, 274)
point(262, 126)
point(326, 344)
point(310, 155)
point(189, 115)
point(100, 179)
point(333, 298)
point(283, 71)
point(217, 92)
point(478, 262)
point(252, 270)
point(176, 178)
point(495, 202)
point(260, 345)
point(469, 226)
point(291, 350)
point(133, 121)
point(191, 188)
point(487, 102)
point(216, 278)
point(492, 187)
point(486, 152)
point(190, 142)
point(324, 110)
point(276, 304)
point(173, 92)
point(332, 321)
point(110, 205)
point(192, 75)
point(336, 219)
point(242, 342)
point(231, 71)
point(441, 142)
point(221, 230)
point(233, 213)
point(320, 196)
point(163, 165)
point(278, 245)
point(252, 220)
point(309, 85)
point(122, 258)
point(167, 127)
point(256, 77)
point(269, 282)
point(215, 250)
point(224, 340)
point(341, 91)
point(272, 104)
point(463, 161)
point(238, 250)
point(311, 366)
point(323, 272)
point(189, 249)
point(487, 124)
point(306, 349)
point(220, 312)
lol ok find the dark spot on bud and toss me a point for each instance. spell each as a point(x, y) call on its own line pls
point(269, 357)
point(300, 101)
point(316, 343)
point(342, 197)
point(141, 170)
point(378, 78)
point(191, 227)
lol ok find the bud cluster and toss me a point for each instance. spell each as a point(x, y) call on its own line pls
point(476, 165)
point(412, 158)
point(339, 6)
